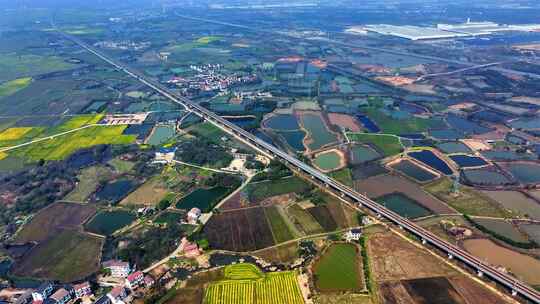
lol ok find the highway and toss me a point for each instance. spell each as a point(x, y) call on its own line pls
point(483, 269)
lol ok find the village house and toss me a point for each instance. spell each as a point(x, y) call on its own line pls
point(103, 300)
point(353, 235)
point(148, 281)
point(165, 155)
point(44, 290)
point(193, 215)
point(134, 280)
point(61, 296)
point(117, 295)
point(82, 290)
point(118, 268)
point(192, 250)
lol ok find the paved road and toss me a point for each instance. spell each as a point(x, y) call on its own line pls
point(359, 200)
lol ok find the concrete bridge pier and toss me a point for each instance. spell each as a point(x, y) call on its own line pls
point(450, 256)
point(424, 241)
point(514, 293)
point(480, 273)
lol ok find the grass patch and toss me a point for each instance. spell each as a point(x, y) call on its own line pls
point(60, 147)
point(305, 220)
point(68, 256)
point(149, 194)
point(121, 166)
point(207, 39)
point(467, 200)
point(280, 229)
point(339, 269)
point(79, 121)
point(208, 131)
point(16, 66)
point(259, 191)
point(3, 155)
point(277, 287)
point(13, 86)
point(387, 144)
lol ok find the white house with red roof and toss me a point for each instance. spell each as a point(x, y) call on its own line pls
point(134, 280)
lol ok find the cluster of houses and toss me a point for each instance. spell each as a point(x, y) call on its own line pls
point(209, 78)
point(52, 293)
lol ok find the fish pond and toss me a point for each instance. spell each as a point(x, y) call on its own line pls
point(485, 176)
point(403, 205)
point(318, 133)
point(328, 161)
point(362, 154)
point(502, 227)
point(115, 191)
point(466, 126)
point(468, 161)
point(429, 158)
point(453, 147)
point(161, 134)
point(446, 134)
point(504, 155)
point(369, 124)
point(295, 139)
point(204, 199)
point(525, 173)
point(533, 231)
point(414, 171)
point(107, 222)
point(283, 122)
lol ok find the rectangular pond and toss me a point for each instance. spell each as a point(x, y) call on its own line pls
point(429, 158)
point(204, 199)
point(468, 161)
point(414, 171)
point(403, 205)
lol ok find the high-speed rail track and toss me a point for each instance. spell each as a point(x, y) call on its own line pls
point(515, 286)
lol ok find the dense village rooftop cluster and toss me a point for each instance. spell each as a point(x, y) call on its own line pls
point(210, 78)
point(128, 280)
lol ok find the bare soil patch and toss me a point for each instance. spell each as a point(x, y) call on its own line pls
point(344, 121)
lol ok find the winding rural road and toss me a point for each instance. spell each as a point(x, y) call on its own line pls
point(320, 179)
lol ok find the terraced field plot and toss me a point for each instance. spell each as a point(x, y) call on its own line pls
point(304, 220)
point(245, 286)
point(339, 269)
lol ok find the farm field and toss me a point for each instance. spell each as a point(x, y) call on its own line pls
point(68, 256)
point(304, 220)
point(167, 217)
point(330, 298)
point(280, 228)
point(377, 187)
point(14, 133)
point(344, 121)
point(148, 194)
point(54, 218)
point(261, 190)
point(250, 287)
point(522, 266)
point(280, 254)
point(89, 179)
point(77, 122)
point(239, 230)
point(399, 126)
point(107, 222)
point(323, 216)
point(208, 131)
point(339, 269)
point(517, 202)
point(13, 86)
point(15, 66)
point(63, 146)
point(468, 200)
point(393, 258)
point(387, 144)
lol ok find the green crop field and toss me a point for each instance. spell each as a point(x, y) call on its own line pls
point(339, 269)
point(79, 121)
point(280, 229)
point(387, 144)
point(13, 66)
point(208, 131)
point(262, 190)
point(60, 147)
point(305, 220)
point(13, 86)
point(344, 176)
point(245, 284)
